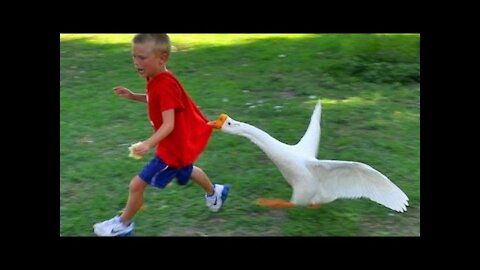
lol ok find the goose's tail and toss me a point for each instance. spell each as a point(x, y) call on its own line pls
point(311, 139)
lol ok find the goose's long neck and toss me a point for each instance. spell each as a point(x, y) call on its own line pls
point(267, 143)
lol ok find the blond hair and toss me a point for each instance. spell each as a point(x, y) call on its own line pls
point(161, 42)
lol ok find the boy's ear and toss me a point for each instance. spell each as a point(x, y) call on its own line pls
point(163, 57)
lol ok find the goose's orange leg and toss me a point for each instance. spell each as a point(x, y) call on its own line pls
point(274, 203)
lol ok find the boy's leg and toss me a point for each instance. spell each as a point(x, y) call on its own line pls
point(201, 178)
point(123, 225)
point(155, 173)
point(135, 199)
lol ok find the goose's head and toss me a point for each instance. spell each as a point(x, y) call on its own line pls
point(226, 124)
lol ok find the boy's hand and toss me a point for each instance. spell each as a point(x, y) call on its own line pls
point(137, 150)
point(141, 149)
point(123, 92)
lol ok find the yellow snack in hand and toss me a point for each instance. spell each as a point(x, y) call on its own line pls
point(132, 155)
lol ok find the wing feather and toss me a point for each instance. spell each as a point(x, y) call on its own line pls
point(348, 179)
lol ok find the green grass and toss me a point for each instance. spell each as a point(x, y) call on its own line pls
point(370, 89)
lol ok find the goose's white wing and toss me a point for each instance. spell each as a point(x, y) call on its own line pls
point(347, 179)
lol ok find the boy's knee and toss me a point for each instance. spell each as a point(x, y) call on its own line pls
point(197, 170)
point(137, 184)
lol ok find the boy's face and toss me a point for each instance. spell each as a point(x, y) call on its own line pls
point(147, 63)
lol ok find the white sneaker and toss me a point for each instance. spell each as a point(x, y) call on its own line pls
point(215, 201)
point(113, 227)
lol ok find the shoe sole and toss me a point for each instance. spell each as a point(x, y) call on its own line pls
point(130, 233)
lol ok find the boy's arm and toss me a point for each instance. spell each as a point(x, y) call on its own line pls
point(164, 130)
point(139, 97)
point(126, 93)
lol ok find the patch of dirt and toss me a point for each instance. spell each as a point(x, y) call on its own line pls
point(277, 77)
point(395, 224)
point(85, 140)
point(288, 93)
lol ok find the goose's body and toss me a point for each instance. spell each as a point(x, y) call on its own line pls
point(317, 181)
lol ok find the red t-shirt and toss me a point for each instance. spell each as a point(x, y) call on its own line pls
point(190, 134)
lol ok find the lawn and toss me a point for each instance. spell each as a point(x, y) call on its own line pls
point(369, 86)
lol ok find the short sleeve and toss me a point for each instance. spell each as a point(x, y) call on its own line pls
point(170, 96)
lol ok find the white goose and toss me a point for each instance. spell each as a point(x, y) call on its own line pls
point(316, 181)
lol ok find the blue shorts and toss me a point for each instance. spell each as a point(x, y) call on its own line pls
point(159, 174)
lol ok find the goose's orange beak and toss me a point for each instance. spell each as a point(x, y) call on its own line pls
point(219, 122)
